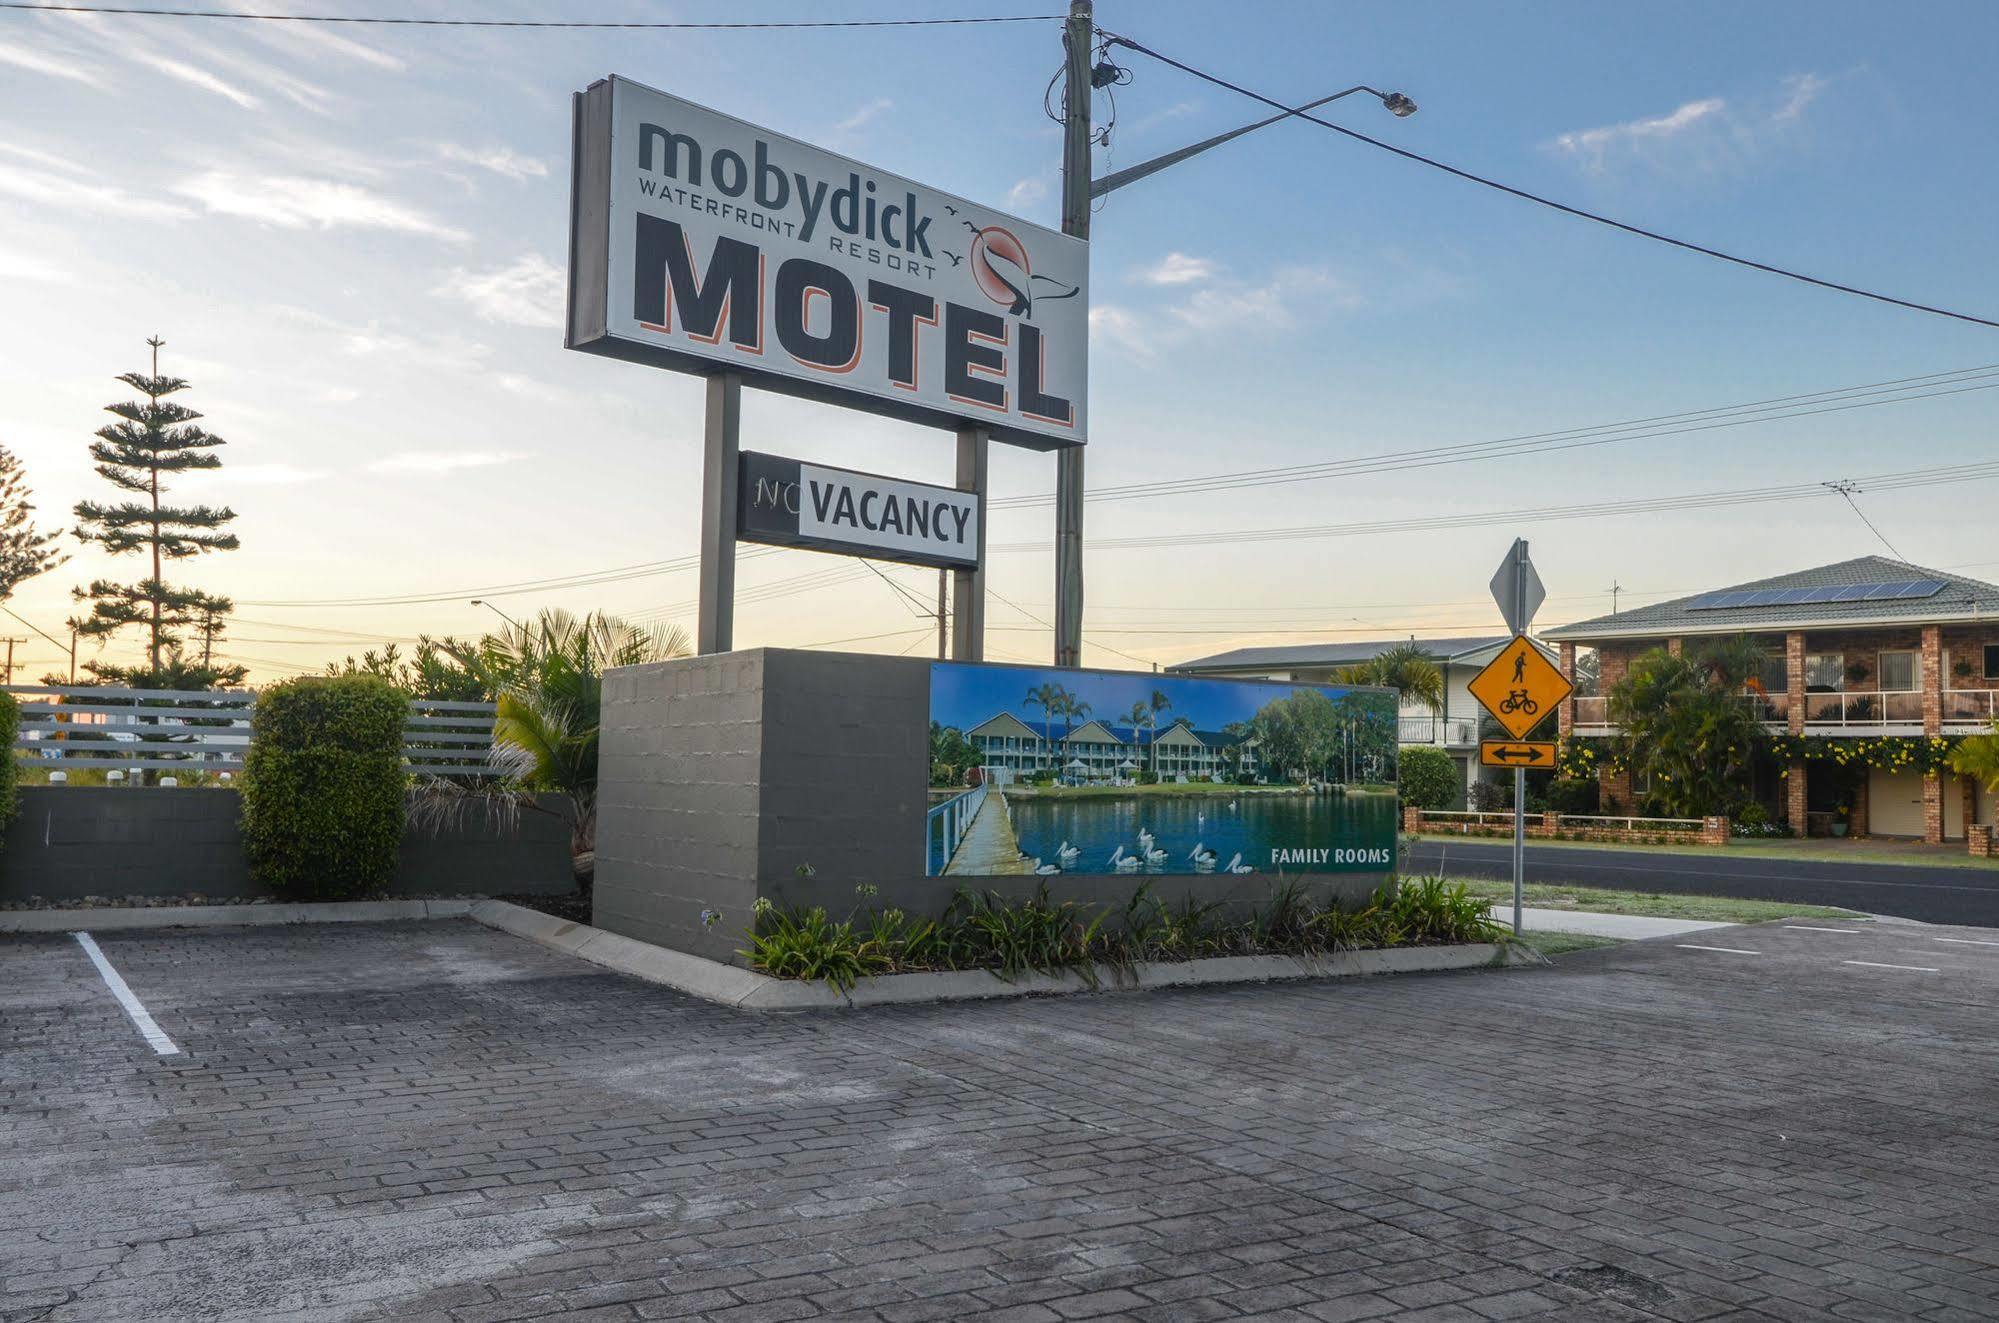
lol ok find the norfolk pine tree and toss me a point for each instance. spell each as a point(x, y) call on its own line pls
point(25, 551)
point(155, 438)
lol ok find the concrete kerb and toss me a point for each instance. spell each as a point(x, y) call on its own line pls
point(111, 918)
point(734, 986)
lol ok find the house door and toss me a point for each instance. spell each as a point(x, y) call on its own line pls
point(1895, 803)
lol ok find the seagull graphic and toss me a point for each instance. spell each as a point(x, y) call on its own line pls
point(955, 259)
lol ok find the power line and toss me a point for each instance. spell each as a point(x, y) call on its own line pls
point(126, 11)
point(1563, 207)
point(1957, 473)
point(1838, 400)
point(1847, 490)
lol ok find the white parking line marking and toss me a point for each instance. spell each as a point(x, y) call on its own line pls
point(1806, 928)
point(1725, 950)
point(1963, 941)
point(133, 1006)
point(1913, 969)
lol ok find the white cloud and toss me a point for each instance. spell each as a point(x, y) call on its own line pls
point(66, 193)
point(1593, 144)
point(1026, 193)
point(47, 159)
point(1177, 268)
point(270, 475)
point(192, 75)
point(1276, 303)
point(20, 266)
point(1118, 327)
point(504, 161)
point(527, 292)
point(1700, 136)
point(339, 395)
point(295, 203)
point(865, 115)
point(525, 387)
point(34, 62)
point(1800, 90)
point(442, 461)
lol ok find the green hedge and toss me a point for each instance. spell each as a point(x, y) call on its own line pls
point(323, 786)
point(10, 772)
point(1429, 778)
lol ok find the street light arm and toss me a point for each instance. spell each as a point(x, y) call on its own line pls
point(1132, 174)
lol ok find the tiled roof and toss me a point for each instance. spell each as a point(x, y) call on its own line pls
point(1335, 654)
point(1961, 598)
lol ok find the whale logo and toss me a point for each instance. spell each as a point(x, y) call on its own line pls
point(1004, 273)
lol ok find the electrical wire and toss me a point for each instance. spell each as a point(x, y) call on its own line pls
point(1563, 207)
point(1837, 400)
point(129, 12)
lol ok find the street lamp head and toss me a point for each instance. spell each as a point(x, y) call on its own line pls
point(1399, 105)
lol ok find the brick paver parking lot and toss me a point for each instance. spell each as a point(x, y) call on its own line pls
point(439, 1122)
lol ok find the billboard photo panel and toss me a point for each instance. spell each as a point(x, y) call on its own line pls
point(704, 243)
point(1045, 770)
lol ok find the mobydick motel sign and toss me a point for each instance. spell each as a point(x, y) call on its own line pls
point(790, 503)
point(703, 243)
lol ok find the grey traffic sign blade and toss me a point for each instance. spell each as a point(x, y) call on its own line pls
point(1517, 588)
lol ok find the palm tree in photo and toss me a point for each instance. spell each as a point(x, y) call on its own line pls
point(1158, 703)
point(1136, 719)
point(1048, 697)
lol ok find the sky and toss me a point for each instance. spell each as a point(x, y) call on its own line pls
point(965, 696)
point(352, 240)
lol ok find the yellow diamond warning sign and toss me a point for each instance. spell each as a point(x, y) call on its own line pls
point(1520, 688)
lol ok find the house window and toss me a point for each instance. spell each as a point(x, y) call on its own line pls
point(1771, 677)
point(1992, 661)
point(1900, 673)
point(1825, 673)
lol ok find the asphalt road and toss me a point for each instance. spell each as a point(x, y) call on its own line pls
point(1908, 891)
point(438, 1123)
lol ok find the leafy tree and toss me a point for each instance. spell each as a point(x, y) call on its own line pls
point(436, 671)
point(1429, 778)
point(549, 676)
point(1154, 705)
point(951, 755)
point(1978, 758)
point(1049, 698)
point(154, 439)
point(1686, 724)
point(25, 551)
point(1405, 667)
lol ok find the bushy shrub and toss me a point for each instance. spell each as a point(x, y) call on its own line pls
point(1146, 778)
point(1573, 795)
point(1038, 934)
point(1490, 796)
point(323, 786)
point(10, 775)
point(1429, 778)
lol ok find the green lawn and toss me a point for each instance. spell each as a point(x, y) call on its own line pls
point(1603, 900)
point(1554, 944)
point(1812, 849)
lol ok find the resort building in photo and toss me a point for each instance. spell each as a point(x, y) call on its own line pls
point(1453, 727)
point(1099, 752)
point(1869, 649)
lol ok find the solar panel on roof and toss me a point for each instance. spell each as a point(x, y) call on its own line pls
point(1900, 591)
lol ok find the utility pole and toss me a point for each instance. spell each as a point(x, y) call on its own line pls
point(943, 619)
point(11, 641)
point(1076, 37)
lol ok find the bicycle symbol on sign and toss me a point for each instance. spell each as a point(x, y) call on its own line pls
point(1518, 701)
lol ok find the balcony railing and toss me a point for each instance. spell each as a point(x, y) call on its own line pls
point(1970, 707)
point(1593, 713)
point(1438, 730)
point(1845, 710)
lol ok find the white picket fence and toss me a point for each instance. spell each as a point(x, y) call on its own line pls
point(115, 727)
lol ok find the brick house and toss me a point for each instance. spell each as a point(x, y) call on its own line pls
point(1867, 649)
point(1454, 728)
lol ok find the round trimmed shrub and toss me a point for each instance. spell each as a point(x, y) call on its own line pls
point(1429, 778)
point(323, 786)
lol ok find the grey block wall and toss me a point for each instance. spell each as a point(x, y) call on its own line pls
point(69, 842)
point(726, 778)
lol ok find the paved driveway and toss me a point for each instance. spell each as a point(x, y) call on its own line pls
point(436, 1121)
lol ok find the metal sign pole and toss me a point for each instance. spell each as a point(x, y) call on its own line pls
point(720, 475)
point(1519, 773)
point(1076, 37)
point(968, 587)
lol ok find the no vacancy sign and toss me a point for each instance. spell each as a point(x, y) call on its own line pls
point(701, 243)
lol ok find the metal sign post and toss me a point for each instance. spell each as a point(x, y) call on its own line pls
point(1516, 690)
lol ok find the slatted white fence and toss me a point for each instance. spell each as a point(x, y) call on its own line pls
point(115, 727)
